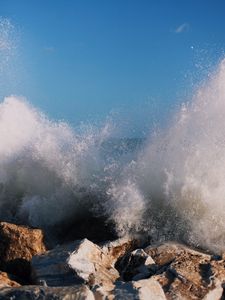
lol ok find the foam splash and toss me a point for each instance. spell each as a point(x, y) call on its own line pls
point(45, 167)
point(181, 174)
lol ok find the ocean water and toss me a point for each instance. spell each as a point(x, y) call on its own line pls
point(170, 186)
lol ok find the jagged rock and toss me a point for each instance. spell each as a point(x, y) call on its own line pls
point(136, 265)
point(185, 273)
point(47, 293)
point(17, 246)
point(147, 289)
point(81, 261)
point(92, 264)
point(6, 280)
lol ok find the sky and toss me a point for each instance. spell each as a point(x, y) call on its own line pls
point(130, 60)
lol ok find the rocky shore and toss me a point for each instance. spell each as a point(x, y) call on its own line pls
point(120, 269)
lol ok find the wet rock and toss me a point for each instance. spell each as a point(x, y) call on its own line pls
point(47, 293)
point(185, 273)
point(81, 261)
point(18, 244)
point(7, 280)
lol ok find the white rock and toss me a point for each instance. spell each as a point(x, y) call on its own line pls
point(216, 293)
point(81, 261)
point(149, 289)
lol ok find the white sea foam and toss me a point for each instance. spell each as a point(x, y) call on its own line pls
point(45, 167)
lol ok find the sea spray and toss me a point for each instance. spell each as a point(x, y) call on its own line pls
point(171, 188)
point(7, 41)
point(180, 176)
point(10, 59)
point(45, 168)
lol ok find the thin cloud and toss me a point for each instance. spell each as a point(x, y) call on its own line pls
point(182, 28)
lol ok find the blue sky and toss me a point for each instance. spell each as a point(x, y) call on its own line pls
point(82, 60)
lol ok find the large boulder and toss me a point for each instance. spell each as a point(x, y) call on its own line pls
point(81, 261)
point(91, 263)
point(18, 244)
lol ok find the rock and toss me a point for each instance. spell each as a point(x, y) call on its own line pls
point(47, 293)
point(81, 261)
point(6, 280)
point(136, 265)
point(165, 253)
point(93, 264)
point(185, 273)
point(216, 293)
point(52, 266)
point(147, 289)
point(118, 248)
point(18, 244)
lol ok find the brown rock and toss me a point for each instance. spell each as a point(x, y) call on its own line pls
point(119, 247)
point(7, 281)
point(185, 273)
point(165, 253)
point(18, 244)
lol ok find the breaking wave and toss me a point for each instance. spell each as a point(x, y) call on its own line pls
point(171, 186)
point(44, 165)
point(177, 190)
